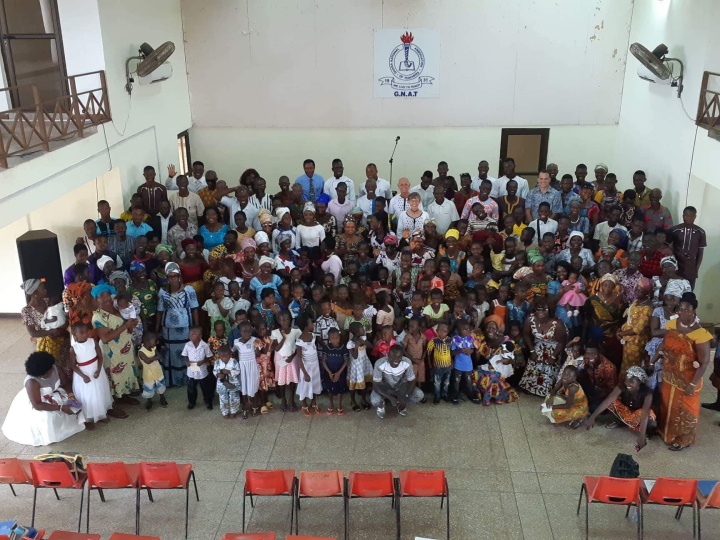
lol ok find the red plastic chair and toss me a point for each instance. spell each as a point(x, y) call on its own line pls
point(711, 501)
point(123, 536)
point(14, 471)
point(166, 475)
point(318, 484)
point(115, 475)
point(55, 475)
point(370, 485)
point(678, 492)
point(249, 536)
point(414, 483)
point(610, 490)
point(269, 483)
point(65, 535)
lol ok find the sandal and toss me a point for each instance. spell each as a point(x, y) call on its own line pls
point(318, 410)
point(306, 411)
point(675, 447)
point(269, 405)
point(264, 410)
point(611, 425)
point(283, 408)
point(341, 412)
point(254, 411)
point(574, 423)
point(329, 411)
point(245, 415)
point(356, 408)
point(366, 406)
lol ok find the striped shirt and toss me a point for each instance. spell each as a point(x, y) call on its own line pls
point(439, 350)
point(264, 202)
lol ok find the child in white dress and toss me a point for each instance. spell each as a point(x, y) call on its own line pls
point(360, 371)
point(54, 316)
point(90, 382)
point(310, 385)
point(249, 376)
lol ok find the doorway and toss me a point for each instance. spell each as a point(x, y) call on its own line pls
point(528, 147)
point(184, 159)
point(32, 50)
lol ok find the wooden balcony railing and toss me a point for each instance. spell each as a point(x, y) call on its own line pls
point(27, 130)
point(708, 115)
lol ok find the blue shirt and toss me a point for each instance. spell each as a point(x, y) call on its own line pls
point(318, 183)
point(213, 239)
point(462, 361)
point(134, 232)
point(104, 229)
point(551, 196)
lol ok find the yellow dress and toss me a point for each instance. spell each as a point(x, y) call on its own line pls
point(577, 411)
point(638, 320)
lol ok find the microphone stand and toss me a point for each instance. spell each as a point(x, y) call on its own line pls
point(391, 159)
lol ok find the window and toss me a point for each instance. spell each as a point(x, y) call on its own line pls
point(184, 163)
point(528, 147)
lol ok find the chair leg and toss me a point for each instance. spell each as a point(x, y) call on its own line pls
point(627, 512)
point(192, 474)
point(447, 504)
point(187, 510)
point(397, 515)
point(137, 511)
point(32, 521)
point(639, 522)
point(57, 496)
point(679, 511)
point(587, 519)
point(297, 513)
point(82, 495)
point(582, 490)
point(243, 513)
point(149, 492)
point(698, 520)
point(292, 511)
point(102, 494)
point(13, 490)
point(87, 518)
point(694, 521)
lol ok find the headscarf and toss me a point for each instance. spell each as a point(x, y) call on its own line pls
point(534, 256)
point(218, 252)
point(136, 265)
point(248, 242)
point(164, 247)
point(418, 233)
point(646, 283)
point(608, 250)
point(172, 268)
point(284, 235)
point(267, 260)
point(97, 290)
point(261, 237)
point(497, 320)
point(357, 210)
point(623, 237)
point(29, 286)
point(669, 259)
point(391, 239)
point(452, 233)
point(575, 202)
point(119, 274)
point(102, 261)
point(323, 199)
point(264, 216)
point(576, 233)
point(280, 212)
point(609, 277)
point(601, 167)
point(522, 272)
point(431, 220)
point(188, 242)
point(349, 218)
point(638, 373)
point(676, 287)
point(309, 207)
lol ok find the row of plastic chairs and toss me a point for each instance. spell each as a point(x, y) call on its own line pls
point(676, 492)
point(100, 477)
point(323, 484)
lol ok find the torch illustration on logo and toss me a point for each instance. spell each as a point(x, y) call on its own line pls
point(406, 62)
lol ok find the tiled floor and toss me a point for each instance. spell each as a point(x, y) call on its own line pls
point(511, 474)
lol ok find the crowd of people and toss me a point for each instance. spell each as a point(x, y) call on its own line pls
point(574, 291)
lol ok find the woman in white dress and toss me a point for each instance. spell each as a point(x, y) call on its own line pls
point(249, 371)
point(40, 413)
point(310, 385)
point(90, 382)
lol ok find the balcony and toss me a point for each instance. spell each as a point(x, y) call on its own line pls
point(708, 115)
point(52, 123)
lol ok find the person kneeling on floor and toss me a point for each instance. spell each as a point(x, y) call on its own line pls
point(394, 381)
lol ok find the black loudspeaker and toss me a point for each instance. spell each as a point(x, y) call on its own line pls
point(39, 256)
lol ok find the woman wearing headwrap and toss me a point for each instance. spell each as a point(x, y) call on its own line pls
point(575, 249)
point(55, 341)
point(265, 278)
point(177, 312)
point(433, 240)
point(603, 316)
point(286, 258)
point(686, 355)
point(669, 280)
point(452, 250)
point(145, 290)
point(77, 299)
point(487, 382)
point(546, 337)
point(631, 403)
point(106, 266)
point(635, 333)
point(116, 343)
point(614, 252)
point(311, 233)
point(163, 252)
point(284, 227)
point(346, 246)
point(577, 222)
point(323, 217)
point(537, 280)
point(192, 268)
point(249, 266)
point(262, 242)
point(420, 252)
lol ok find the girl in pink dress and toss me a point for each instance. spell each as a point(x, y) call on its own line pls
point(574, 298)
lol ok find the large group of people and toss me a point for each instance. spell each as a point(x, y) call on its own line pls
point(472, 291)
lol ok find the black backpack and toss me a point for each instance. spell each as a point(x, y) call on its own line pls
point(625, 466)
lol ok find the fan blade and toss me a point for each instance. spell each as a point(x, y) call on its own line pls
point(155, 58)
point(654, 64)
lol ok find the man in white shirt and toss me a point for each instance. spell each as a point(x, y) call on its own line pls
point(399, 203)
point(443, 211)
point(238, 203)
point(260, 199)
point(603, 229)
point(367, 201)
point(196, 181)
point(184, 198)
point(340, 206)
point(483, 168)
point(509, 170)
point(425, 189)
point(331, 183)
point(543, 224)
point(383, 186)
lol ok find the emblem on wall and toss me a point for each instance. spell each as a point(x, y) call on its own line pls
point(406, 63)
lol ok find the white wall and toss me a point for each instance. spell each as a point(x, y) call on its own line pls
point(280, 64)
point(655, 134)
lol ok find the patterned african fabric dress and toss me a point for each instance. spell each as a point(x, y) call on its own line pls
point(628, 408)
point(59, 347)
point(541, 373)
point(638, 320)
point(176, 312)
point(74, 297)
point(118, 355)
point(147, 297)
point(679, 413)
point(488, 383)
point(265, 364)
point(578, 410)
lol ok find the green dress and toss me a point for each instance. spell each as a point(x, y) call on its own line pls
point(147, 297)
point(118, 355)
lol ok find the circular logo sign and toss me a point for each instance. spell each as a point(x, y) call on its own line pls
point(407, 61)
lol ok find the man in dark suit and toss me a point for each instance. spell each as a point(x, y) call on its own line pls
point(162, 222)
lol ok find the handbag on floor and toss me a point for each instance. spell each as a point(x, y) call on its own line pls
point(625, 466)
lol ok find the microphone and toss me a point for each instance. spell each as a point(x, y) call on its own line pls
point(397, 138)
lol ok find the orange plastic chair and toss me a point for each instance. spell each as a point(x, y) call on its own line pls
point(123, 536)
point(166, 475)
point(65, 535)
point(115, 475)
point(301, 537)
point(269, 483)
point(369, 485)
point(249, 536)
point(678, 492)
point(317, 484)
point(55, 475)
point(414, 483)
point(14, 471)
point(709, 501)
point(611, 490)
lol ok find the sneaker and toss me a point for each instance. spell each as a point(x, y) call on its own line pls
point(455, 401)
point(402, 411)
point(381, 412)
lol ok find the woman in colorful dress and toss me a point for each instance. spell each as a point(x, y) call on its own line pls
point(631, 403)
point(451, 250)
point(116, 343)
point(192, 268)
point(323, 217)
point(177, 311)
point(546, 336)
point(145, 290)
point(603, 317)
point(635, 333)
point(451, 281)
point(669, 279)
point(629, 277)
point(566, 402)
point(487, 382)
point(686, 354)
point(77, 299)
point(163, 253)
point(347, 243)
point(537, 280)
point(55, 342)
